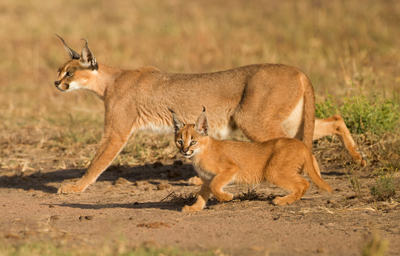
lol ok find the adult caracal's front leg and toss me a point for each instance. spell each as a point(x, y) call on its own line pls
point(110, 146)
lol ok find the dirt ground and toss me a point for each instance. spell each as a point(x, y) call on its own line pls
point(141, 205)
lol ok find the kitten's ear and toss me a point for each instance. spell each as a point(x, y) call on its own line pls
point(178, 124)
point(202, 125)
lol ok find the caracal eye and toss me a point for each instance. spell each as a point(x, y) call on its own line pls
point(69, 73)
point(180, 142)
point(193, 142)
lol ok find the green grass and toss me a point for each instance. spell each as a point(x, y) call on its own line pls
point(363, 115)
point(376, 246)
point(354, 180)
point(385, 187)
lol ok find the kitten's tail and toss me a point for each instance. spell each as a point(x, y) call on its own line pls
point(312, 169)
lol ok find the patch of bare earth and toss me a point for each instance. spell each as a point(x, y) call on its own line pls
point(142, 204)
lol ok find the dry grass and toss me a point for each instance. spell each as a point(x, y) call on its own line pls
point(181, 199)
point(251, 194)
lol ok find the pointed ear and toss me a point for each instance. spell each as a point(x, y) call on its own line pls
point(72, 54)
point(87, 58)
point(178, 124)
point(202, 125)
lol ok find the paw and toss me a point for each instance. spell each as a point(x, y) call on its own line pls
point(188, 209)
point(224, 197)
point(279, 201)
point(69, 189)
point(362, 161)
point(195, 181)
point(283, 200)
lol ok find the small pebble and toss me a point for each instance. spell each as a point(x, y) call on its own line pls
point(55, 217)
point(163, 186)
point(82, 218)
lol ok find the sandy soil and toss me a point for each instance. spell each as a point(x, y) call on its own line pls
point(141, 205)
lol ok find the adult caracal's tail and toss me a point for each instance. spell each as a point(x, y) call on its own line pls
point(309, 112)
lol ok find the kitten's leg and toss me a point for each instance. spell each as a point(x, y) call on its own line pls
point(220, 181)
point(201, 201)
point(294, 183)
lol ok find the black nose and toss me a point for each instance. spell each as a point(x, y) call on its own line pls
point(57, 83)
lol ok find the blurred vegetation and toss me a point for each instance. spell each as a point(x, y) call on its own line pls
point(376, 246)
point(50, 249)
point(333, 42)
point(362, 115)
point(385, 186)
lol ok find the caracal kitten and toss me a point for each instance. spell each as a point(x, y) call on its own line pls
point(278, 161)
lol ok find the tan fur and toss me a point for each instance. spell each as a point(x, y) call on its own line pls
point(257, 99)
point(278, 161)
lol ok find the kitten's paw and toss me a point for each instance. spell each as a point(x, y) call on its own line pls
point(283, 200)
point(188, 209)
point(195, 181)
point(69, 189)
point(279, 201)
point(224, 197)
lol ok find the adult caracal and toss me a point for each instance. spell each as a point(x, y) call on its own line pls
point(278, 161)
point(264, 101)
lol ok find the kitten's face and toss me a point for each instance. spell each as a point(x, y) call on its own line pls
point(188, 140)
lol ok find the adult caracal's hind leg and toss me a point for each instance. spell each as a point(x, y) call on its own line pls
point(201, 201)
point(335, 125)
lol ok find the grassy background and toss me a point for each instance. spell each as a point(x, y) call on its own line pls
point(347, 48)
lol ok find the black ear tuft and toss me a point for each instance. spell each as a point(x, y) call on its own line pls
point(73, 54)
point(178, 124)
point(202, 124)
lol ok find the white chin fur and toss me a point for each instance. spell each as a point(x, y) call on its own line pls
point(74, 86)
